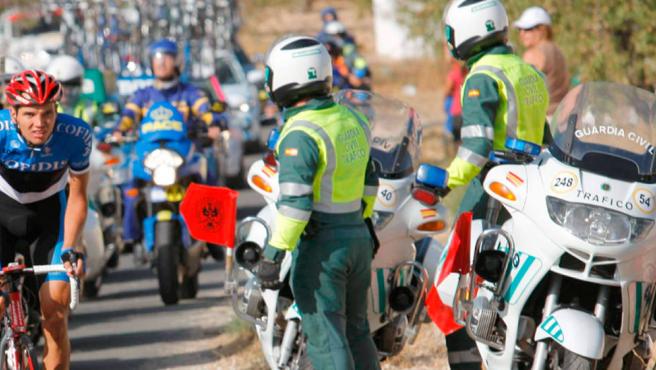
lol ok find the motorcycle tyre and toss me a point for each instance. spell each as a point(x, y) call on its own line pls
point(112, 262)
point(168, 260)
point(189, 287)
point(217, 252)
point(90, 289)
point(572, 361)
point(239, 180)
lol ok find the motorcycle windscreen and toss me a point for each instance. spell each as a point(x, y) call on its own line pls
point(395, 131)
point(607, 128)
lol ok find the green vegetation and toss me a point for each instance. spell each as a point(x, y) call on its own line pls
point(602, 40)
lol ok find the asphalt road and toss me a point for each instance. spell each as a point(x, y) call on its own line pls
point(128, 327)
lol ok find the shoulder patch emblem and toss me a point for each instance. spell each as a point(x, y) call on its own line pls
point(473, 93)
point(291, 152)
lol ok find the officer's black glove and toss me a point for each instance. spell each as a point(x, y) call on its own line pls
point(268, 274)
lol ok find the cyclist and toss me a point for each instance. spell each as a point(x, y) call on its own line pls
point(188, 99)
point(44, 159)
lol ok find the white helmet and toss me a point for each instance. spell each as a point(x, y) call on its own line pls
point(9, 66)
point(66, 69)
point(298, 68)
point(471, 26)
point(334, 28)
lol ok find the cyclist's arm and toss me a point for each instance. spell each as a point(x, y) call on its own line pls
point(76, 208)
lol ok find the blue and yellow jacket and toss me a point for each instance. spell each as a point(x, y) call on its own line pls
point(188, 99)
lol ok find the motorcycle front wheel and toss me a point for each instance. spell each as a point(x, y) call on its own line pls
point(572, 361)
point(168, 260)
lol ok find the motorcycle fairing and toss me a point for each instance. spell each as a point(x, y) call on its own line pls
point(568, 327)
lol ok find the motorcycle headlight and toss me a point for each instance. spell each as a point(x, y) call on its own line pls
point(597, 225)
point(164, 176)
point(162, 157)
point(244, 107)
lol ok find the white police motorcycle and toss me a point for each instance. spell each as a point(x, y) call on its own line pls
point(406, 210)
point(569, 281)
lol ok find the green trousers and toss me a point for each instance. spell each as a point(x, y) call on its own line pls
point(331, 273)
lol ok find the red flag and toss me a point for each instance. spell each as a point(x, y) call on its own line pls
point(216, 86)
point(211, 213)
point(456, 260)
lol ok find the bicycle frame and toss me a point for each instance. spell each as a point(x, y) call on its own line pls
point(15, 346)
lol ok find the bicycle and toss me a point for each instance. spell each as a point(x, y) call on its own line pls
point(16, 347)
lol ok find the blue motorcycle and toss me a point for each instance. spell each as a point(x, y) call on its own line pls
point(166, 163)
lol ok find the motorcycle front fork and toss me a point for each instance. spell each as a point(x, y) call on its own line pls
point(550, 304)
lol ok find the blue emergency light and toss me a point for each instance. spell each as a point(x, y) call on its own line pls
point(272, 140)
point(521, 146)
point(431, 176)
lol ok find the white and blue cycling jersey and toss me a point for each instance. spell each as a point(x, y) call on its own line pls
point(32, 173)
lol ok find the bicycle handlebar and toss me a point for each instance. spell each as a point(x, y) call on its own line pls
point(45, 269)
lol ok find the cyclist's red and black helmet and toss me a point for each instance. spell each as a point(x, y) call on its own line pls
point(32, 87)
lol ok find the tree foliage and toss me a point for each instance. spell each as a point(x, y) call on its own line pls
point(602, 40)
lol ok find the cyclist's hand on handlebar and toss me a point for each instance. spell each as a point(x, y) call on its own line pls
point(73, 262)
point(214, 132)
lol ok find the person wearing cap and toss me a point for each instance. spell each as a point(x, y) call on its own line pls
point(536, 34)
point(330, 20)
point(502, 98)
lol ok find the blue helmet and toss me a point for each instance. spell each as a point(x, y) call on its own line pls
point(166, 46)
point(328, 10)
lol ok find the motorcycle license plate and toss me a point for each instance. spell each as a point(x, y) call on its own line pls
point(157, 195)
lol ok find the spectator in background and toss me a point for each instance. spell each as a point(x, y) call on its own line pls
point(328, 17)
point(536, 35)
point(452, 102)
point(343, 76)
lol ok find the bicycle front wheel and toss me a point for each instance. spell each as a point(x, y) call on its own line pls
point(18, 355)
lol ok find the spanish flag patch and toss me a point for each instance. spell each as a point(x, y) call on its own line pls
point(428, 213)
point(291, 152)
point(473, 93)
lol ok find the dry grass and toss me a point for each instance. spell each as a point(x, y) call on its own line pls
point(428, 352)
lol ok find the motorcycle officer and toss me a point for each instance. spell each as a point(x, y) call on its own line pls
point(328, 186)
point(9, 66)
point(70, 73)
point(188, 99)
point(501, 97)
